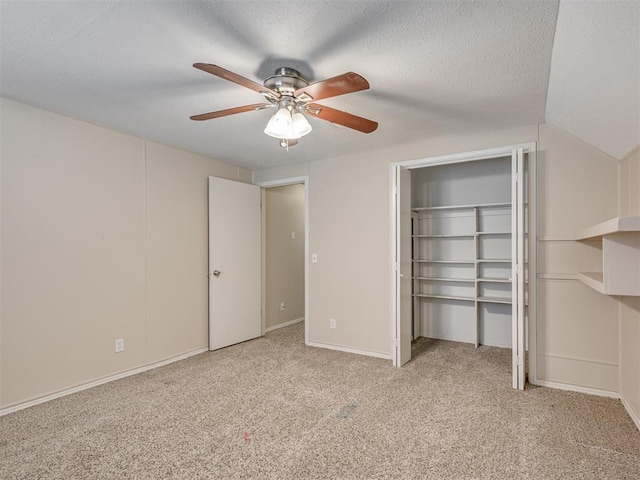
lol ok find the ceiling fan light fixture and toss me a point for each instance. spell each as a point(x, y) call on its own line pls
point(290, 94)
point(287, 123)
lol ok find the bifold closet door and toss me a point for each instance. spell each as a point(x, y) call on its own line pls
point(518, 267)
point(404, 315)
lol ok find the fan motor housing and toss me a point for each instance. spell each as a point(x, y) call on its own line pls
point(285, 81)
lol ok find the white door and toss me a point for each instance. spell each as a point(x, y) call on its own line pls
point(403, 267)
point(518, 268)
point(234, 263)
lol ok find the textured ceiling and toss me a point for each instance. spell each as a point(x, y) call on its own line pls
point(594, 86)
point(436, 68)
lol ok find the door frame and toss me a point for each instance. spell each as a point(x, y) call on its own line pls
point(531, 150)
point(283, 182)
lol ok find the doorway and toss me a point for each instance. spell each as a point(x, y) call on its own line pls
point(283, 239)
point(462, 250)
point(284, 253)
point(237, 260)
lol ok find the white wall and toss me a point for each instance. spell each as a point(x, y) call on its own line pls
point(284, 256)
point(103, 237)
point(630, 306)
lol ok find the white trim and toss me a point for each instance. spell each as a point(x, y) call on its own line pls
point(263, 261)
point(285, 324)
point(466, 156)
point(531, 331)
point(304, 180)
point(561, 237)
point(393, 241)
point(95, 383)
point(576, 388)
point(339, 348)
point(569, 277)
point(632, 413)
point(579, 359)
point(283, 182)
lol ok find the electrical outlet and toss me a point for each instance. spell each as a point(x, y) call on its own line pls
point(332, 323)
point(293, 235)
point(282, 306)
point(314, 258)
point(119, 345)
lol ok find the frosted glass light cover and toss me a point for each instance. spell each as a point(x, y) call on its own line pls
point(288, 125)
point(280, 124)
point(300, 125)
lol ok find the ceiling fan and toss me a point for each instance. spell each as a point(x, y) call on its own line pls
point(292, 96)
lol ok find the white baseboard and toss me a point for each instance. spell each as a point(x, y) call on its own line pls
point(386, 356)
point(95, 383)
point(577, 388)
point(282, 325)
point(632, 413)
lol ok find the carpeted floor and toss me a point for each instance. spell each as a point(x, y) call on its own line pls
point(272, 408)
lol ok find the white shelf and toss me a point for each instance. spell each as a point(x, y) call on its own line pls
point(506, 301)
point(441, 279)
point(499, 300)
point(493, 233)
point(461, 207)
point(466, 235)
point(594, 280)
point(615, 225)
point(494, 260)
point(494, 280)
point(461, 235)
point(620, 237)
point(455, 262)
point(444, 297)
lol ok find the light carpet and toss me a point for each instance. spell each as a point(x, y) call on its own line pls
point(273, 408)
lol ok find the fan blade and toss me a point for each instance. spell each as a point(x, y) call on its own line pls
point(332, 87)
point(341, 118)
point(234, 77)
point(231, 111)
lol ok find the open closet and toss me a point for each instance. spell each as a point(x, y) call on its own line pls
point(462, 251)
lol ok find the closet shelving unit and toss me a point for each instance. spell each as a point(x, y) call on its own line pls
point(451, 259)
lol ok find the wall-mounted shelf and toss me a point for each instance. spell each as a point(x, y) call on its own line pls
point(620, 237)
point(614, 225)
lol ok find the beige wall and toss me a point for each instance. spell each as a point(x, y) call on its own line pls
point(284, 256)
point(349, 221)
point(103, 237)
point(630, 306)
point(577, 335)
point(349, 228)
point(630, 184)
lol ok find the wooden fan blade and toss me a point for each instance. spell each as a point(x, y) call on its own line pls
point(234, 77)
point(231, 111)
point(332, 87)
point(341, 118)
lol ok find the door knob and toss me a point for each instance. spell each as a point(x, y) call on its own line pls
point(216, 273)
